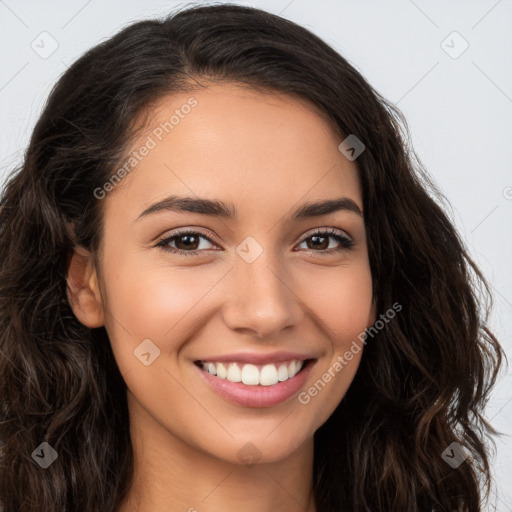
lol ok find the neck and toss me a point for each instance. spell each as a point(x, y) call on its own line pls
point(172, 475)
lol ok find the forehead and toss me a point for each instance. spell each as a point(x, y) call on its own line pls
point(245, 147)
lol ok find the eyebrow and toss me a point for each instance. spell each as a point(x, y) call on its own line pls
point(217, 208)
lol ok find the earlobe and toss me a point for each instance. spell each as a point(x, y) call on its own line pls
point(83, 289)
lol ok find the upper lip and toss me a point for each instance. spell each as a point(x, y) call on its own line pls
point(255, 358)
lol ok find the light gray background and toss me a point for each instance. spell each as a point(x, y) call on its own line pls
point(458, 107)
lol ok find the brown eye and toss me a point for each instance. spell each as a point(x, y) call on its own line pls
point(320, 241)
point(185, 242)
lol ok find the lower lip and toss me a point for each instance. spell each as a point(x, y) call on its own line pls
point(257, 396)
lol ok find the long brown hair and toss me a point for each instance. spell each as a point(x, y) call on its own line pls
point(423, 381)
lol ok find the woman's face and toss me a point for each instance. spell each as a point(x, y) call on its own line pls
point(255, 291)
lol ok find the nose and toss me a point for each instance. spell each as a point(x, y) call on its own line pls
point(261, 300)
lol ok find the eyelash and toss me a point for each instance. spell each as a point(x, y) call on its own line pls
point(345, 241)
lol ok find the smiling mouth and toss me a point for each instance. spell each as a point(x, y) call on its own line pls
point(254, 374)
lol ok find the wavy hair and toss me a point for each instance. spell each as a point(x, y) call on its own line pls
point(423, 381)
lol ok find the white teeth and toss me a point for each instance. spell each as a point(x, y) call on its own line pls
point(268, 375)
point(221, 371)
point(282, 372)
point(294, 368)
point(252, 375)
point(234, 374)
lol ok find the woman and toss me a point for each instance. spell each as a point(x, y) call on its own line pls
point(225, 284)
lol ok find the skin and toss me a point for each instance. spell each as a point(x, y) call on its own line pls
point(246, 148)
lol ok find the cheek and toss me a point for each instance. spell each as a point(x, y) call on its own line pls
point(155, 303)
point(341, 301)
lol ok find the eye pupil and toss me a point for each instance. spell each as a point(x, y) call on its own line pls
point(187, 245)
point(317, 237)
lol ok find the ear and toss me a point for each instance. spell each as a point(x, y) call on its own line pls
point(83, 290)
